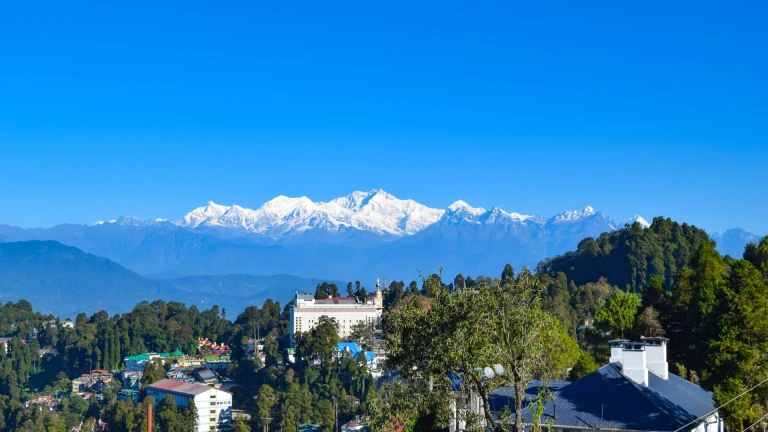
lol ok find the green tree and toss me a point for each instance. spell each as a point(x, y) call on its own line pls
point(458, 333)
point(319, 342)
point(736, 360)
point(508, 274)
point(239, 425)
point(265, 400)
point(321, 292)
point(757, 255)
point(584, 366)
point(618, 313)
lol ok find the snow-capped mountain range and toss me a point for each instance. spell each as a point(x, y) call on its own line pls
point(364, 235)
point(376, 212)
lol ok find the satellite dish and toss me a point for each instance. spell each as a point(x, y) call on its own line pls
point(488, 372)
point(499, 369)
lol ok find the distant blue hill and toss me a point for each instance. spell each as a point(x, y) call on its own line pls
point(733, 241)
point(64, 281)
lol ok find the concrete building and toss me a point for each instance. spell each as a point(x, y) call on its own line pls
point(347, 311)
point(214, 406)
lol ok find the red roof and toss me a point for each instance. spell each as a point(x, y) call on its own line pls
point(183, 388)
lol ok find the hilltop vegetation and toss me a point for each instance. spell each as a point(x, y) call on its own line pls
point(629, 258)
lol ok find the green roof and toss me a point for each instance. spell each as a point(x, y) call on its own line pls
point(138, 357)
point(291, 350)
point(225, 357)
point(145, 356)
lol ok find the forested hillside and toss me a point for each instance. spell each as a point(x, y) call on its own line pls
point(64, 281)
point(629, 258)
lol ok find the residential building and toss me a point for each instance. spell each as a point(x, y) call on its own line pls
point(634, 392)
point(217, 362)
point(346, 311)
point(354, 351)
point(137, 363)
point(131, 379)
point(205, 376)
point(82, 383)
point(214, 407)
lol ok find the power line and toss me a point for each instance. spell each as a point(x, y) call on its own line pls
point(716, 409)
point(753, 424)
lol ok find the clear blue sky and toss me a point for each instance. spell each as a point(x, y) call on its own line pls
point(110, 108)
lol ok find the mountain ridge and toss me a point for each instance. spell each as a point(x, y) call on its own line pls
point(376, 212)
point(65, 280)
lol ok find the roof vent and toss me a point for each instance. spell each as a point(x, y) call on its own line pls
point(633, 364)
point(656, 355)
point(616, 347)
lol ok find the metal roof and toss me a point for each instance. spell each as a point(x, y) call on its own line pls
point(505, 396)
point(606, 399)
point(179, 387)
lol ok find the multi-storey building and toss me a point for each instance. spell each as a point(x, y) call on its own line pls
point(214, 406)
point(346, 311)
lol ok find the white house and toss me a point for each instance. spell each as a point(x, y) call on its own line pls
point(347, 311)
point(214, 406)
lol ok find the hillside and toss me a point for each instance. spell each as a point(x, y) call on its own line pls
point(631, 256)
point(64, 281)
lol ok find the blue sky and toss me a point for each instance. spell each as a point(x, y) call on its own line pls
point(134, 108)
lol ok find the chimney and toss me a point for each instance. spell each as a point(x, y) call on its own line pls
point(633, 364)
point(616, 347)
point(656, 355)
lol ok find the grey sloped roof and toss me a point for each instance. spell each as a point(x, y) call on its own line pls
point(605, 399)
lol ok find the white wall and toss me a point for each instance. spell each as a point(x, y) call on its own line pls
point(213, 400)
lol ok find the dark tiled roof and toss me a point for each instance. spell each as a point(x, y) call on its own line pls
point(605, 399)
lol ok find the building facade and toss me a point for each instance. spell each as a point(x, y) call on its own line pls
point(346, 311)
point(214, 406)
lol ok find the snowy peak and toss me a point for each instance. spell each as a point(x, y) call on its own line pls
point(133, 221)
point(574, 215)
point(639, 219)
point(375, 211)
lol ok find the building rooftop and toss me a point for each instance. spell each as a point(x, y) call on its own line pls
point(178, 387)
point(606, 399)
point(206, 374)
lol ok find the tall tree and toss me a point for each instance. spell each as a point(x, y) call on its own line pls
point(508, 274)
point(619, 312)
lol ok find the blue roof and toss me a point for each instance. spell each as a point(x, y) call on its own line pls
point(352, 347)
point(355, 350)
point(606, 399)
point(505, 396)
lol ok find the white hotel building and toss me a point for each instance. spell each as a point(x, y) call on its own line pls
point(347, 312)
point(214, 407)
